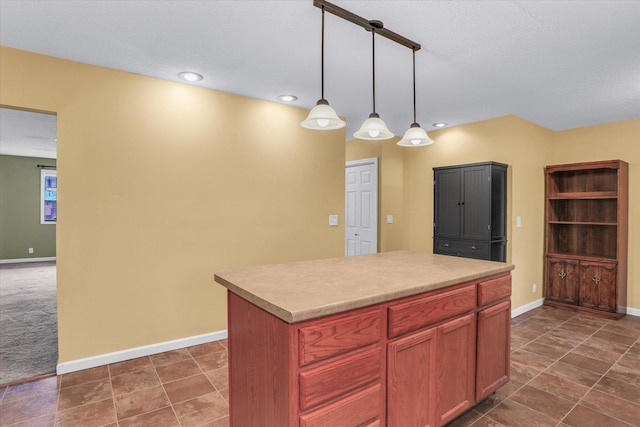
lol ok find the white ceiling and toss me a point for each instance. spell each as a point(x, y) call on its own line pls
point(560, 64)
point(27, 133)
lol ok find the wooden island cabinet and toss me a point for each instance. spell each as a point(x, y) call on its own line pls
point(395, 339)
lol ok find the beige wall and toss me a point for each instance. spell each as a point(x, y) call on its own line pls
point(619, 140)
point(162, 184)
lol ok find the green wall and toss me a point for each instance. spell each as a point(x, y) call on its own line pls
point(20, 227)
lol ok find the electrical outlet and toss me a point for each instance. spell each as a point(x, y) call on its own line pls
point(30, 250)
point(535, 288)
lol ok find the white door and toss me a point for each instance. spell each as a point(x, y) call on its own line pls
point(361, 225)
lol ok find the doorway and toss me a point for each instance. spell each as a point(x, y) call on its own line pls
point(361, 207)
point(28, 212)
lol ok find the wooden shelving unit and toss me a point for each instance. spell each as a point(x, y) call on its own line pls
point(586, 237)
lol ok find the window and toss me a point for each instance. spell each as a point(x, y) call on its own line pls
point(48, 197)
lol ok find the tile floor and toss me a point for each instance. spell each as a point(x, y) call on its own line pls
point(567, 370)
point(186, 387)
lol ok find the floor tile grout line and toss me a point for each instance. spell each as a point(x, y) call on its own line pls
point(164, 390)
point(113, 395)
point(592, 388)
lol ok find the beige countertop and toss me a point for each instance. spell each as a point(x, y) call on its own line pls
point(306, 290)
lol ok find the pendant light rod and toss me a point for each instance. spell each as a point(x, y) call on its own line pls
point(322, 59)
point(373, 67)
point(365, 23)
point(414, 86)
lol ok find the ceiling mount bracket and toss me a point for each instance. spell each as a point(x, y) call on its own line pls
point(369, 25)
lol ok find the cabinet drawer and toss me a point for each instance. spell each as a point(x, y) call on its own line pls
point(494, 290)
point(417, 313)
point(324, 339)
point(362, 408)
point(465, 248)
point(327, 382)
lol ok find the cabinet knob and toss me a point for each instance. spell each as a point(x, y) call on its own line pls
point(562, 274)
point(596, 278)
point(446, 245)
point(474, 248)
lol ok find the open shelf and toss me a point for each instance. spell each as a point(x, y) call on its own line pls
point(585, 195)
point(595, 211)
point(606, 224)
point(570, 183)
point(583, 239)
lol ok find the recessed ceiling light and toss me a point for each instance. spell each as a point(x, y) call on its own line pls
point(439, 125)
point(287, 98)
point(190, 76)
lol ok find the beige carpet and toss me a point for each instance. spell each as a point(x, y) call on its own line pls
point(28, 321)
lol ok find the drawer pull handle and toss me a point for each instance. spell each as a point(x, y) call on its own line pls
point(474, 248)
point(446, 245)
point(562, 274)
point(596, 278)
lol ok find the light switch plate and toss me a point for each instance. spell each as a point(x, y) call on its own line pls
point(518, 221)
point(333, 220)
point(389, 219)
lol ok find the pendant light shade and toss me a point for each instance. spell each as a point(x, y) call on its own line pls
point(415, 136)
point(374, 127)
point(322, 116)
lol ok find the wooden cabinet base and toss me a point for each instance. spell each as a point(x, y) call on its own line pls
point(419, 361)
point(579, 309)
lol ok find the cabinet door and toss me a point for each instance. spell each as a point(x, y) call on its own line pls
point(494, 341)
point(447, 203)
point(456, 359)
point(598, 285)
point(563, 280)
point(476, 203)
point(411, 380)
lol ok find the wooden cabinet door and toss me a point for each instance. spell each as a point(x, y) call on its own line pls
point(598, 285)
point(411, 370)
point(494, 342)
point(563, 280)
point(448, 203)
point(456, 367)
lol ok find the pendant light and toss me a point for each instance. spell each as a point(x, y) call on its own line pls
point(322, 116)
point(374, 128)
point(415, 136)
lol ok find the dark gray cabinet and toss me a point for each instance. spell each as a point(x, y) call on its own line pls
point(470, 211)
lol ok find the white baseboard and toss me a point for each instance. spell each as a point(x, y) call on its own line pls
point(132, 353)
point(521, 310)
point(528, 307)
point(19, 260)
point(633, 311)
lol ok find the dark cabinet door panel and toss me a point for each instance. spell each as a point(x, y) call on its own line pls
point(476, 199)
point(447, 212)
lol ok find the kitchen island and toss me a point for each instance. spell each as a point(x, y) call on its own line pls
point(391, 339)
